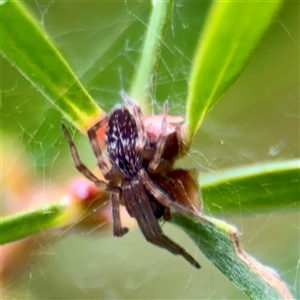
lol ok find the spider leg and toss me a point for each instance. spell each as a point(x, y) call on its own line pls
point(92, 134)
point(148, 224)
point(115, 202)
point(79, 165)
point(161, 143)
point(161, 196)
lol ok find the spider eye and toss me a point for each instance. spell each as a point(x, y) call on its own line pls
point(121, 137)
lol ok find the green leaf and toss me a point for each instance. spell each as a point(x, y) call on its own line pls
point(142, 81)
point(257, 187)
point(219, 242)
point(27, 223)
point(231, 33)
point(26, 45)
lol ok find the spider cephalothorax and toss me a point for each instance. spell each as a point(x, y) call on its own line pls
point(138, 174)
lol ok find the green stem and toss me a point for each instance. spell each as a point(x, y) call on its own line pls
point(142, 80)
point(30, 222)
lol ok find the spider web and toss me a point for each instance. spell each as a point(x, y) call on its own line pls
point(256, 121)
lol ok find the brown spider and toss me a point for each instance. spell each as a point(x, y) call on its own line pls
point(137, 167)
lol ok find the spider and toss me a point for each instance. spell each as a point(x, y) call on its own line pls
point(135, 162)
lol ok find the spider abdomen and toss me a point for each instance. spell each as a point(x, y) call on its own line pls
point(121, 138)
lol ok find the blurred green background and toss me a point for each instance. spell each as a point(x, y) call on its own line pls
point(256, 121)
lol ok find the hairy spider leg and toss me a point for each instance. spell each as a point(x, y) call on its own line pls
point(161, 143)
point(115, 203)
point(156, 161)
point(161, 196)
point(137, 199)
point(114, 192)
point(79, 165)
point(144, 204)
point(118, 230)
point(92, 134)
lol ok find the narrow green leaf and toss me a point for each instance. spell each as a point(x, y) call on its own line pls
point(258, 187)
point(26, 45)
point(24, 224)
point(142, 80)
point(231, 33)
point(219, 243)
